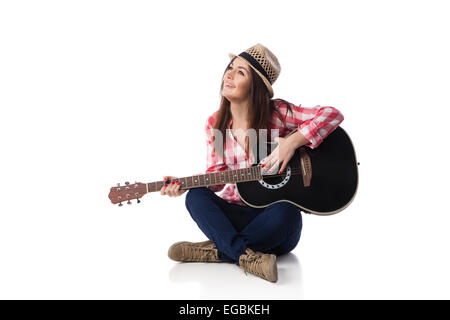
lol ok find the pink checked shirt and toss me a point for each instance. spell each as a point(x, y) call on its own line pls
point(314, 123)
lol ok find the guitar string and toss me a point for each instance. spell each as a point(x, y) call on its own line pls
point(293, 171)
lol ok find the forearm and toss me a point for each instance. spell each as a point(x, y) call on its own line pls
point(297, 140)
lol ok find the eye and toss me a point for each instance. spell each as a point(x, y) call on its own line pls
point(232, 68)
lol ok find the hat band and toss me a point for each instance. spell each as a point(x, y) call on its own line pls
point(255, 64)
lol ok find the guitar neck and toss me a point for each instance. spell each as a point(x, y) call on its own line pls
point(213, 178)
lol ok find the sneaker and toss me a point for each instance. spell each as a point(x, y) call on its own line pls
point(261, 265)
point(186, 251)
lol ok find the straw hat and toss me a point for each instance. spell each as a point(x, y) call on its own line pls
point(264, 62)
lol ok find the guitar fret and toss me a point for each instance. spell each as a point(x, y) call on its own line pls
point(196, 181)
point(257, 169)
point(212, 178)
point(208, 179)
point(255, 173)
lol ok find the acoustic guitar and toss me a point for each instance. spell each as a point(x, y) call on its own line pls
point(320, 181)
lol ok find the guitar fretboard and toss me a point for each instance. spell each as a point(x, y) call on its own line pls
point(213, 178)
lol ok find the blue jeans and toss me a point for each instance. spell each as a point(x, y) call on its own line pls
point(233, 228)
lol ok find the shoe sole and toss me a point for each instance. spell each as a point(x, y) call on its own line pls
point(273, 271)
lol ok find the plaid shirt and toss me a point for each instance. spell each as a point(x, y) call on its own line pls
point(314, 123)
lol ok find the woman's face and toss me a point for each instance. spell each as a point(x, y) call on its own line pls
point(239, 77)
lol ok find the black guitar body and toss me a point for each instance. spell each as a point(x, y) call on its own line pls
point(333, 178)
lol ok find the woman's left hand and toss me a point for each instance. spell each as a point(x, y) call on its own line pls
point(281, 155)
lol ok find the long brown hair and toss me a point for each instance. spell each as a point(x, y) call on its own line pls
point(260, 111)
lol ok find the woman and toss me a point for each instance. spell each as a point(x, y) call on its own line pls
point(249, 237)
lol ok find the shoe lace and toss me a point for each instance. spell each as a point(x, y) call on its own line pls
point(252, 262)
point(202, 253)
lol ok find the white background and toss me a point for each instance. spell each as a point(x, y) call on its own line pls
point(98, 92)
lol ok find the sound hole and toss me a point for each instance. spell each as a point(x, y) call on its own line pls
point(273, 180)
point(276, 180)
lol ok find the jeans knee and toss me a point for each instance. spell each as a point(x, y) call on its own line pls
point(288, 245)
point(194, 195)
point(288, 215)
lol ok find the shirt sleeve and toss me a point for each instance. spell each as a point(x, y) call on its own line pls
point(314, 123)
point(213, 162)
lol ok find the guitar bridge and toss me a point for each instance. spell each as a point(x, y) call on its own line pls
point(305, 164)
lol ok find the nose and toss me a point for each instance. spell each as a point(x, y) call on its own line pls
point(229, 74)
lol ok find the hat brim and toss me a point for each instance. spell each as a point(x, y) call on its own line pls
point(266, 82)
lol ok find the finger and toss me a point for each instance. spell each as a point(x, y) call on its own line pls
point(173, 186)
point(170, 189)
point(282, 167)
point(265, 160)
point(269, 165)
point(163, 188)
point(177, 188)
point(167, 185)
point(274, 166)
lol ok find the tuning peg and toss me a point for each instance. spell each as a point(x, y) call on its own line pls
point(120, 204)
point(127, 183)
point(128, 202)
point(138, 201)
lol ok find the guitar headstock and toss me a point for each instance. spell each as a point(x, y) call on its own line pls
point(127, 192)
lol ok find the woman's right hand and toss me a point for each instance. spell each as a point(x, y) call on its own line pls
point(172, 189)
